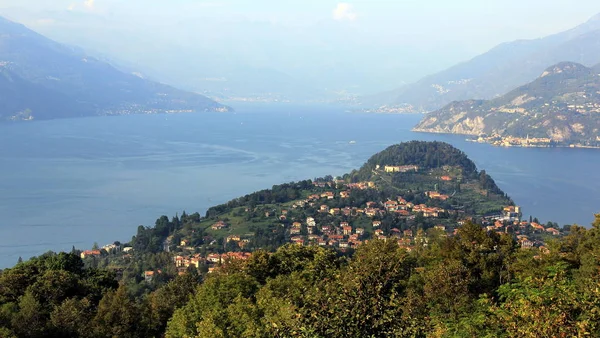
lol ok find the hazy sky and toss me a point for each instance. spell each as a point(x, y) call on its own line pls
point(378, 44)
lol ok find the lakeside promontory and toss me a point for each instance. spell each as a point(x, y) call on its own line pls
point(559, 109)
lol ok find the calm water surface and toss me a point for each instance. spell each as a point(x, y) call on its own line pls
point(80, 181)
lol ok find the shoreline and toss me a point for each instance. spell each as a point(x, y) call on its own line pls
point(499, 142)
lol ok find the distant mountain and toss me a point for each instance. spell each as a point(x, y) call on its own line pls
point(562, 106)
point(49, 80)
point(500, 70)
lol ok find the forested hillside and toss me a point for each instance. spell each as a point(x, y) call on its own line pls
point(474, 284)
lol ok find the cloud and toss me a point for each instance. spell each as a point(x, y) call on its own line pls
point(86, 5)
point(344, 12)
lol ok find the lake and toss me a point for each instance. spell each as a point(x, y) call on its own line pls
point(74, 182)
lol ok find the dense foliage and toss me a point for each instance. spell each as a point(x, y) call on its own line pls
point(426, 155)
point(474, 284)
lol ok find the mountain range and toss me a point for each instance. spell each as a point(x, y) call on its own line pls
point(562, 106)
point(42, 79)
point(500, 70)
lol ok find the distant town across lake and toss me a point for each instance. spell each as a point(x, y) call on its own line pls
point(74, 182)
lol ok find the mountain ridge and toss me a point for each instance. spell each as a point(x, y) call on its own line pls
point(92, 86)
point(561, 107)
point(501, 69)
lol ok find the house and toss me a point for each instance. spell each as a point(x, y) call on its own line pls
point(311, 222)
point(400, 169)
point(335, 211)
point(329, 195)
point(297, 225)
point(378, 232)
point(127, 249)
point(92, 253)
point(110, 247)
point(537, 227)
point(344, 194)
point(343, 245)
point(243, 243)
point(233, 238)
point(284, 212)
point(184, 242)
point(324, 208)
point(360, 231)
point(195, 261)
point(553, 231)
point(403, 212)
point(446, 178)
point(313, 197)
point(526, 244)
point(440, 227)
point(376, 224)
point(336, 237)
point(371, 205)
point(298, 240)
point(344, 224)
point(219, 225)
point(235, 255)
point(213, 258)
point(436, 195)
point(322, 242)
point(347, 230)
point(179, 261)
point(371, 212)
point(391, 205)
point(408, 233)
point(295, 231)
point(148, 276)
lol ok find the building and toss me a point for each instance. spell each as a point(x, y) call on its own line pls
point(90, 253)
point(219, 225)
point(400, 169)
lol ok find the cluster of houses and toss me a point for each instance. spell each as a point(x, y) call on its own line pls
point(524, 230)
point(343, 235)
point(213, 260)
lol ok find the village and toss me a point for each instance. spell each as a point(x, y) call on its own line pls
point(347, 227)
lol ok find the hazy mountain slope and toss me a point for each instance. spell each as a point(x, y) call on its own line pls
point(22, 100)
point(93, 86)
point(563, 104)
point(503, 68)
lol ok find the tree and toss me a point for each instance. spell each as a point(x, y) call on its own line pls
point(72, 318)
point(30, 321)
point(548, 307)
point(117, 315)
point(211, 301)
point(364, 299)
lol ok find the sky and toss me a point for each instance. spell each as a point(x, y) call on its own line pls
point(359, 45)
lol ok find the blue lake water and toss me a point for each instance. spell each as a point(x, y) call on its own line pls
point(80, 181)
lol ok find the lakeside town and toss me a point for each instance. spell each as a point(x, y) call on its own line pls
point(528, 142)
point(332, 218)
